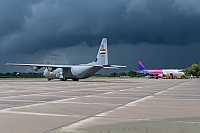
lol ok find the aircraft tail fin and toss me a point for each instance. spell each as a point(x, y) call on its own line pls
point(102, 55)
point(141, 66)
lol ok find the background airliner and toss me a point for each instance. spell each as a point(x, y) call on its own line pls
point(75, 72)
point(160, 72)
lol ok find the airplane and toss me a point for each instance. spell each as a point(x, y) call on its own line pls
point(160, 72)
point(75, 72)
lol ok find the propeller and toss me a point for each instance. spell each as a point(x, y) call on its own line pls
point(30, 69)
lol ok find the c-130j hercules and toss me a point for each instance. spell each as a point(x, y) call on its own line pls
point(75, 72)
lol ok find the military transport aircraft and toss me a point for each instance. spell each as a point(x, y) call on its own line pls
point(75, 72)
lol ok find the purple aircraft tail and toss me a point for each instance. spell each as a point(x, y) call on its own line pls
point(141, 67)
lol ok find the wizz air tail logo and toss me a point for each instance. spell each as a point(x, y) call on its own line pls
point(102, 50)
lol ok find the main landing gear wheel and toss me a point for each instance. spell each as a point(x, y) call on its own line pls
point(64, 79)
point(171, 76)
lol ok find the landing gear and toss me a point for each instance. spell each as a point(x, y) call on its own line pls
point(171, 76)
point(64, 79)
point(75, 79)
point(49, 79)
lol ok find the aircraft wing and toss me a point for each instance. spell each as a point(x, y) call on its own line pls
point(119, 66)
point(39, 65)
point(110, 66)
point(63, 66)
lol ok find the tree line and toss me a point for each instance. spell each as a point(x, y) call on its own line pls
point(194, 70)
point(21, 75)
point(124, 73)
point(40, 75)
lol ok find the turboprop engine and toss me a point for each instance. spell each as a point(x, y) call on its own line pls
point(35, 68)
point(50, 69)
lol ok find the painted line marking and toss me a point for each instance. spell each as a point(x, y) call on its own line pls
point(37, 104)
point(38, 94)
point(191, 122)
point(108, 93)
point(33, 113)
point(22, 100)
point(112, 97)
point(122, 107)
point(74, 126)
point(177, 99)
point(92, 103)
point(124, 90)
point(160, 92)
point(139, 100)
point(102, 114)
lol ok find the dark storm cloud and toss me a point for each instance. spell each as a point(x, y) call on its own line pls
point(13, 14)
point(29, 26)
point(43, 30)
point(164, 22)
point(55, 23)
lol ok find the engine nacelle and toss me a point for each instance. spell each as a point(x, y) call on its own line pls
point(35, 68)
point(50, 69)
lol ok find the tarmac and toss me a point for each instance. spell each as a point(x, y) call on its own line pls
point(100, 105)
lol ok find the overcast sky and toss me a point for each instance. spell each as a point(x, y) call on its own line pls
point(161, 33)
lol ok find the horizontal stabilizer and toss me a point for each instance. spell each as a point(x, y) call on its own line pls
point(110, 67)
point(113, 66)
point(119, 66)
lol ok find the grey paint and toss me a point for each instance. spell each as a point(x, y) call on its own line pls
point(75, 72)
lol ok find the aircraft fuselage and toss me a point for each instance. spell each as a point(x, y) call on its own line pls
point(76, 72)
point(166, 72)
